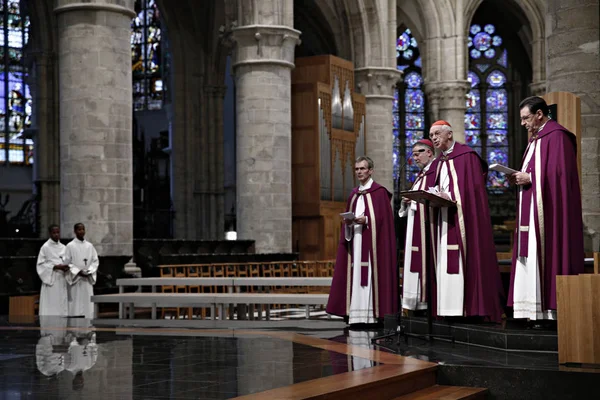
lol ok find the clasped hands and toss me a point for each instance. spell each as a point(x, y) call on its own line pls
point(520, 179)
point(62, 267)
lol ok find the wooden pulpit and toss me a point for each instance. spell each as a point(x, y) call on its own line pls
point(578, 310)
point(328, 133)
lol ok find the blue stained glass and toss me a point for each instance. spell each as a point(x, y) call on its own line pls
point(413, 80)
point(496, 121)
point(414, 121)
point(412, 137)
point(401, 67)
point(473, 78)
point(497, 156)
point(475, 53)
point(472, 121)
point(470, 42)
point(490, 53)
point(475, 29)
point(418, 62)
point(496, 100)
point(403, 41)
point(473, 100)
point(396, 121)
point(497, 137)
point(472, 138)
point(413, 42)
point(496, 79)
point(496, 180)
point(496, 40)
point(489, 28)
point(503, 59)
point(395, 132)
point(482, 67)
point(482, 41)
point(414, 100)
point(408, 54)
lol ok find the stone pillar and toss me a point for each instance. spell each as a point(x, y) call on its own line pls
point(96, 120)
point(377, 84)
point(447, 101)
point(44, 132)
point(262, 63)
point(211, 197)
point(572, 29)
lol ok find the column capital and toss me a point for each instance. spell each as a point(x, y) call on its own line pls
point(264, 44)
point(538, 88)
point(377, 82)
point(448, 94)
point(63, 6)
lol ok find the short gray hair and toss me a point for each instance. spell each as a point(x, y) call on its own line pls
point(367, 159)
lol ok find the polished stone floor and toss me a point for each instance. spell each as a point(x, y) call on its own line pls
point(69, 359)
point(60, 358)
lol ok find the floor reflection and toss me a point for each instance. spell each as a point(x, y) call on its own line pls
point(68, 358)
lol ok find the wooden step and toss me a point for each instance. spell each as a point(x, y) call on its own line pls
point(439, 392)
point(382, 382)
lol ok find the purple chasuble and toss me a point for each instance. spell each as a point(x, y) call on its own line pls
point(380, 232)
point(556, 194)
point(483, 285)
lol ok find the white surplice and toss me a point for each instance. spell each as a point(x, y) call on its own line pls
point(81, 256)
point(361, 300)
point(450, 287)
point(527, 292)
point(362, 339)
point(411, 283)
point(53, 294)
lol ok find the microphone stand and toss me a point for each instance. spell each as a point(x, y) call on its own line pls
point(400, 331)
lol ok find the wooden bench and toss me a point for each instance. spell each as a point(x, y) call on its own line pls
point(213, 300)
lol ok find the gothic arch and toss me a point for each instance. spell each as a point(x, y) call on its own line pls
point(533, 36)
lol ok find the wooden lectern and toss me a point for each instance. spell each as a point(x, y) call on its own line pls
point(430, 200)
point(578, 309)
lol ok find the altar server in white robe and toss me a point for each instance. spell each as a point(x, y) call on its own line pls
point(52, 269)
point(83, 263)
point(413, 284)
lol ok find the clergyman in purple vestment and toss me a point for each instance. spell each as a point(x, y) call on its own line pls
point(365, 278)
point(549, 223)
point(414, 276)
point(467, 279)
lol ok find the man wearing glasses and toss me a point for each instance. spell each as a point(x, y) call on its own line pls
point(413, 285)
point(549, 226)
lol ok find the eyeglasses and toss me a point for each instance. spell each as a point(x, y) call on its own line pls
point(417, 152)
point(526, 117)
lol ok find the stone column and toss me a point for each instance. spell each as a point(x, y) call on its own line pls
point(262, 63)
point(44, 132)
point(447, 101)
point(95, 121)
point(211, 197)
point(377, 84)
point(572, 29)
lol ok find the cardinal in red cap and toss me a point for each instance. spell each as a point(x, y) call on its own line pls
point(467, 280)
point(414, 278)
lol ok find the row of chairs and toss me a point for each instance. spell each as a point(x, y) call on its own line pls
point(276, 269)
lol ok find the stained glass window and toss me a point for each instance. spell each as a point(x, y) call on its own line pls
point(146, 59)
point(486, 118)
point(408, 109)
point(15, 98)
